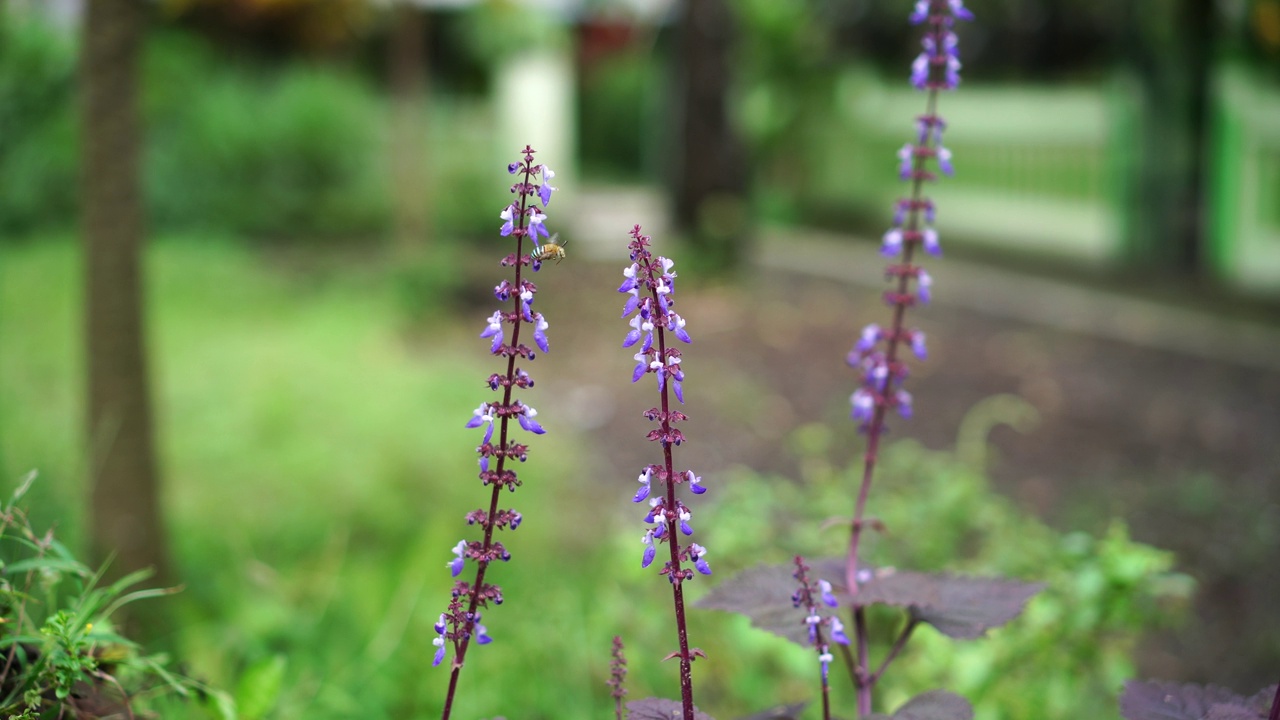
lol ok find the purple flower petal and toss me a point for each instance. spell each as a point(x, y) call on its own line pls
point(508, 216)
point(482, 634)
point(837, 631)
point(931, 245)
point(675, 385)
point(649, 553)
point(960, 11)
point(918, 346)
point(944, 161)
point(891, 243)
point(920, 13)
point(529, 423)
point(827, 596)
point(630, 307)
point(903, 401)
point(906, 161)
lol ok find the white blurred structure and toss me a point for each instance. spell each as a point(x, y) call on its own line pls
point(63, 13)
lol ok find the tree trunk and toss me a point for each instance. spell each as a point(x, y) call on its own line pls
point(125, 524)
point(710, 207)
point(407, 61)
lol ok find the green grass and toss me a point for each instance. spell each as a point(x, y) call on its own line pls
point(316, 472)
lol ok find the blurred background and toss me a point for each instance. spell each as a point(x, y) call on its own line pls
point(246, 247)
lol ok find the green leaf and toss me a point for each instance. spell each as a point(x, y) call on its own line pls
point(259, 688)
point(48, 563)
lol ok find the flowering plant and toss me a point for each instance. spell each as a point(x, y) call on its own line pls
point(649, 283)
point(956, 606)
point(522, 219)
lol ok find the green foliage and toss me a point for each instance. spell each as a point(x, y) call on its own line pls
point(60, 652)
point(38, 147)
point(618, 119)
point(233, 145)
point(290, 151)
point(786, 83)
point(1065, 657)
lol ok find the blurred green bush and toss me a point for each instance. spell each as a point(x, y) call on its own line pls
point(235, 145)
point(290, 151)
point(38, 149)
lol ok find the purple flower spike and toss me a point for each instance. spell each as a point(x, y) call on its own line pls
point(523, 222)
point(455, 565)
point(650, 282)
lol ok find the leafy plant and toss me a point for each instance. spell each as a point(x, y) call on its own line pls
point(60, 652)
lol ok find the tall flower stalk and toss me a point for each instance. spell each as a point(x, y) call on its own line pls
point(650, 286)
point(524, 222)
point(822, 630)
point(878, 353)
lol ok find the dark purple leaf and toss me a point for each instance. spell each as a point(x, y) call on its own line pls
point(1145, 700)
point(959, 607)
point(782, 712)
point(1231, 712)
point(969, 606)
point(933, 705)
point(763, 594)
point(1263, 700)
point(660, 709)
